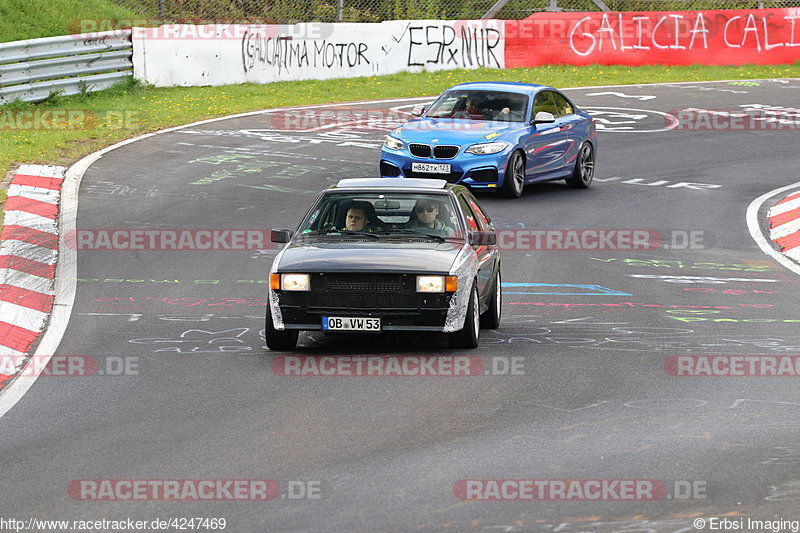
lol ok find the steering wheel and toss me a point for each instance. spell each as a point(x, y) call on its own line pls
point(329, 226)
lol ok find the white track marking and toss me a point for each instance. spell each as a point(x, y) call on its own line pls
point(785, 229)
point(623, 95)
point(783, 208)
point(755, 229)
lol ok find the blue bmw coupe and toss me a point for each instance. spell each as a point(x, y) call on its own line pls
point(495, 136)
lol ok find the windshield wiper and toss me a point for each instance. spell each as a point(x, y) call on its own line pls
point(412, 232)
point(351, 232)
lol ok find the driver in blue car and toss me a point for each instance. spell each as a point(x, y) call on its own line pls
point(472, 110)
point(425, 219)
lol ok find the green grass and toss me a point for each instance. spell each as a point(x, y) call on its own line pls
point(132, 109)
point(30, 19)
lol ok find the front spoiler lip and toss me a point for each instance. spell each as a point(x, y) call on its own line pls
point(497, 161)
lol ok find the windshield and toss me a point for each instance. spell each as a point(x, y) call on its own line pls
point(480, 105)
point(377, 214)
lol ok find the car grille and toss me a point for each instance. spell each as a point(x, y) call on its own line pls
point(355, 300)
point(363, 282)
point(362, 291)
point(419, 150)
point(445, 152)
point(439, 152)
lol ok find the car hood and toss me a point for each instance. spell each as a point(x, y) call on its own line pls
point(369, 257)
point(455, 131)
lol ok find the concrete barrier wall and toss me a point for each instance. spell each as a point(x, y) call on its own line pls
point(186, 55)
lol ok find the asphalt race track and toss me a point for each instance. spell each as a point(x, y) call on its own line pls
point(589, 333)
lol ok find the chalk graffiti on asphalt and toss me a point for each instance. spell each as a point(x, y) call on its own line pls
point(115, 189)
point(659, 263)
point(595, 333)
point(368, 136)
point(250, 166)
point(120, 302)
point(233, 340)
point(628, 120)
point(648, 182)
point(701, 279)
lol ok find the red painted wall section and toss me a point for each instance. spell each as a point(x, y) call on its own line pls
point(729, 37)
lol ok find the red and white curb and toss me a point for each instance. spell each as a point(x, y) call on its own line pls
point(784, 223)
point(28, 252)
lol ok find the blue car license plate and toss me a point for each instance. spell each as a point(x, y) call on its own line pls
point(431, 168)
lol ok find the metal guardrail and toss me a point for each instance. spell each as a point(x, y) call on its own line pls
point(31, 70)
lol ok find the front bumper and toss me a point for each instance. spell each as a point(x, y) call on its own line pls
point(475, 171)
point(424, 314)
point(390, 297)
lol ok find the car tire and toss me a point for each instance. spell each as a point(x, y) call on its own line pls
point(491, 318)
point(278, 340)
point(467, 337)
point(514, 180)
point(584, 167)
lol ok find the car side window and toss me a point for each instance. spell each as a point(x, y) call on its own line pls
point(484, 222)
point(472, 223)
point(544, 102)
point(563, 105)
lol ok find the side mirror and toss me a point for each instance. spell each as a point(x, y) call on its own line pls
point(281, 235)
point(543, 117)
point(417, 111)
point(482, 238)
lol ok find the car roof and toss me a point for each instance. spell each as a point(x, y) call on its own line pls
point(393, 184)
point(508, 86)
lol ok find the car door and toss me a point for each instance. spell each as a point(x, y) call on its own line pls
point(477, 220)
point(572, 126)
point(545, 143)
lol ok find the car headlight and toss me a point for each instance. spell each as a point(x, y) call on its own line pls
point(392, 143)
point(437, 284)
point(486, 148)
point(295, 282)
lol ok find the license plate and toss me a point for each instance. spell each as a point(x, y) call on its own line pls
point(431, 168)
point(338, 323)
